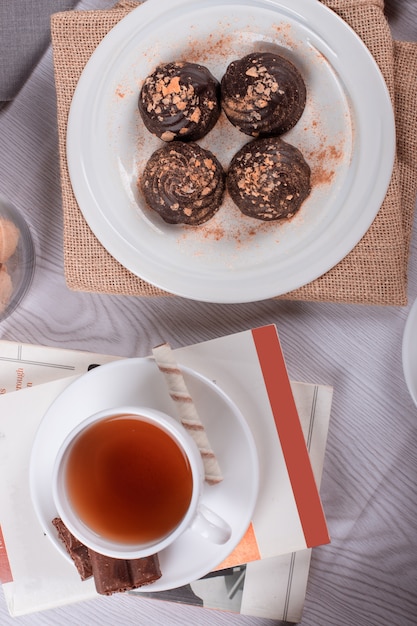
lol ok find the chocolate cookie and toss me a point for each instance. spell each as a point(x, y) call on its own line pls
point(184, 183)
point(268, 179)
point(263, 94)
point(180, 101)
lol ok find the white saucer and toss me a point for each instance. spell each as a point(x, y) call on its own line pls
point(138, 381)
point(409, 352)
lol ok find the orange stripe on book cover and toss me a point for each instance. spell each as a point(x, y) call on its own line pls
point(5, 571)
point(246, 551)
point(291, 436)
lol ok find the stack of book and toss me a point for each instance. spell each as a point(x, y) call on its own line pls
point(266, 575)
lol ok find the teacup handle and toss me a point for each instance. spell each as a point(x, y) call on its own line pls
point(211, 526)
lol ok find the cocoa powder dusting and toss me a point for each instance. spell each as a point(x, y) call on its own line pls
point(203, 51)
point(324, 161)
point(321, 176)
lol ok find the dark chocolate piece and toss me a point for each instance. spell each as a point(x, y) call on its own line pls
point(180, 101)
point(268, 179)
point(110, 575)
point(116, 575)
point(184, 183)
point(263, 94)
point(77, 550)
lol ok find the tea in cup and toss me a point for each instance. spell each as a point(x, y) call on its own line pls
point(128, 482)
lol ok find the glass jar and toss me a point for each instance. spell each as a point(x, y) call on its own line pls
point(17, 258)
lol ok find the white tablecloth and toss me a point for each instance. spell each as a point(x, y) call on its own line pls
point(367, 576)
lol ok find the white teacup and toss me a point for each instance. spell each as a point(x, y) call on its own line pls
point(128, 481)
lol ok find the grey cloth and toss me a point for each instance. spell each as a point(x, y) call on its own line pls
point(24, 36)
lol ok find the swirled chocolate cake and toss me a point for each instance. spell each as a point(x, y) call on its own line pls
point(268, 179)
point(184, 183)
point(263, 94)
point(180, 101)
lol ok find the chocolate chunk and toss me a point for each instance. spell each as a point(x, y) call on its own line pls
point(110, 575)
point(77, 550)
point(115, 575)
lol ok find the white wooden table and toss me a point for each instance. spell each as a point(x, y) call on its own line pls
point(367, 576)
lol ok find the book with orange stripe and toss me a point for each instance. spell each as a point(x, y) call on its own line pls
point(250, 367)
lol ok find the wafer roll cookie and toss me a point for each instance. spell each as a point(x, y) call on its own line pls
point(187, 411)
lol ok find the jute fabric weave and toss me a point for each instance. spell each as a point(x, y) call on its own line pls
point(374, 272)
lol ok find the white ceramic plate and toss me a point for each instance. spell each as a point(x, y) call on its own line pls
point(409, 352)
point(346, 133)
point(139, 382)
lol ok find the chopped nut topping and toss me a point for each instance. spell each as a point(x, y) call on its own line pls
point(252, 71)
point(172, 87)
point(167, 136)
point(195, 116)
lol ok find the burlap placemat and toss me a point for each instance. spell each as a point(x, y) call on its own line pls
point(375, 272)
